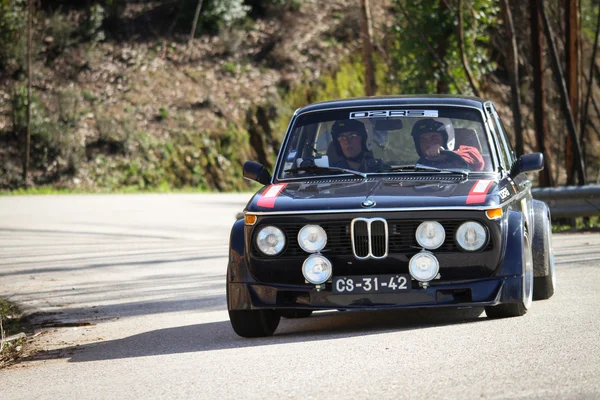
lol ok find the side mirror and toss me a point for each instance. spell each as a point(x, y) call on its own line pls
point(533, 162)
point(256, 172)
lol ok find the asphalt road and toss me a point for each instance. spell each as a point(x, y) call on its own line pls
point(132, 290)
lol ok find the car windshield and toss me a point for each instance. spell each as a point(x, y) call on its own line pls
point(386, 140)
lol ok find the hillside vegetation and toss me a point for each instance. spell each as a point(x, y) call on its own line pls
point(123, 100)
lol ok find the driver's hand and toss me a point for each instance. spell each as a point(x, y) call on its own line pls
point(433, 152)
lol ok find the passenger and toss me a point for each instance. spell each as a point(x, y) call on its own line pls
point(350, 141)
point(434, 139)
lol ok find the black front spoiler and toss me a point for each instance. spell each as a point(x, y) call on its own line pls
point(482, 292)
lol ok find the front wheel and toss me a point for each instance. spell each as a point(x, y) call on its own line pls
point(520, 308)
point(254, 323)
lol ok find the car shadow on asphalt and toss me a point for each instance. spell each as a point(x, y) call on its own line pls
point(220, 336)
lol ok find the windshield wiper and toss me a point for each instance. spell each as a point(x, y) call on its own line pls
point(424, 168)
point(316, 168)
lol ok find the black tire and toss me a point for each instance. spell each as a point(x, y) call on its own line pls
point(254, 323)
point(520, 308)
point(543, 257)
point(295, 313)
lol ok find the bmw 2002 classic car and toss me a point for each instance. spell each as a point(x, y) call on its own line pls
point(390, 202)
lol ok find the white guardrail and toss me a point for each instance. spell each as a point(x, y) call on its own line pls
point(570, 201)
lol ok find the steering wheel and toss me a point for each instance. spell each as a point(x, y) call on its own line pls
point(455, 159)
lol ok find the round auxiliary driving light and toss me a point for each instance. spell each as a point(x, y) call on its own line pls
point(312, 238)
point(316, 269)
point(471, 236)
point(424, 266)
point(430, 235)
point(270, 240)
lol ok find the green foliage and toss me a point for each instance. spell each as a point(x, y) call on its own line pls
point(227, 11)
point(578, 224)
point(216, 15)
point(13, 18)
point(10, 324)
point(202, 161)
point(348, 81)
point(91, 30)
point(163, 113)
point(428, 30)
point(589, 18)
point(61, 31)
point(53, 143)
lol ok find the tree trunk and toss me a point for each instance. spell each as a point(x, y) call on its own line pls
point(196, 16)
point(539, 94)
point(442, 84)
point(367, 41)
point(461, 46)
point(564, 96)
point(572, 61)
point(29, 75)
point(513, 73)
point(591, 80)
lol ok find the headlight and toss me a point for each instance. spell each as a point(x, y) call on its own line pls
point(424, 266)
point(312, 238)
point(430, 235)
point(316, 269)
point(471, 236)
point(270, 240)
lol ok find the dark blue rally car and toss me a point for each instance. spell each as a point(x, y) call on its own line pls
point(390, 202)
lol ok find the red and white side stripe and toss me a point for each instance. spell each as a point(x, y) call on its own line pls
point(479, 191)
point(267, 199)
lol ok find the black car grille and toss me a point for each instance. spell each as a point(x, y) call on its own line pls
point(401, 238)
point(370, 237)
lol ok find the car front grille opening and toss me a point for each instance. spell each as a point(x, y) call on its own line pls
point(378, 239)
point(454, 296)
point(292, 298)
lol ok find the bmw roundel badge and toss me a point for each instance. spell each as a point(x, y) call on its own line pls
point(368, 203)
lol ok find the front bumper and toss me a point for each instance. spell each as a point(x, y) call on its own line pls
point(481, 292)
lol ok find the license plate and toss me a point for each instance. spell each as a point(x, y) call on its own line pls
point(371, 284)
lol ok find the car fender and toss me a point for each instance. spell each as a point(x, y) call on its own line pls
point(513, 253)
point(238, 296)
point(237, 269)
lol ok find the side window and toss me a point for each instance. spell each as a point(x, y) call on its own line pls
point(498, 142)
point(502, 133)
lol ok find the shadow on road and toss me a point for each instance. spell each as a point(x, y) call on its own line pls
point(219, 335)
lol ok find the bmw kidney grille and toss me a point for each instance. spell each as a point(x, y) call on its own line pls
point(369, 238)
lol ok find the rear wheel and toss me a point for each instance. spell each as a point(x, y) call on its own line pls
point(520, 308)
point(545, 284)
point(254, 323)
point(295, 313)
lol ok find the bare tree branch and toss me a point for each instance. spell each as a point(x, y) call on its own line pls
point(579, 162)
point(196, 15)
point(29, 75)
point(591, 80)
point(461, 46)
point(513, 71)
point(367, 40)
point(546, 177)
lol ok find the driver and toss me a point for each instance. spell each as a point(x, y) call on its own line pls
point(434, 141)
point(350, 140)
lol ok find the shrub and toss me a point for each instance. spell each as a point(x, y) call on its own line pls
point(13, 20)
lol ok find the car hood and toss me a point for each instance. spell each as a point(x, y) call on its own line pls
point(376, 193)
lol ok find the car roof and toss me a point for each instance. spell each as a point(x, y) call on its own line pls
point(406, 100)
